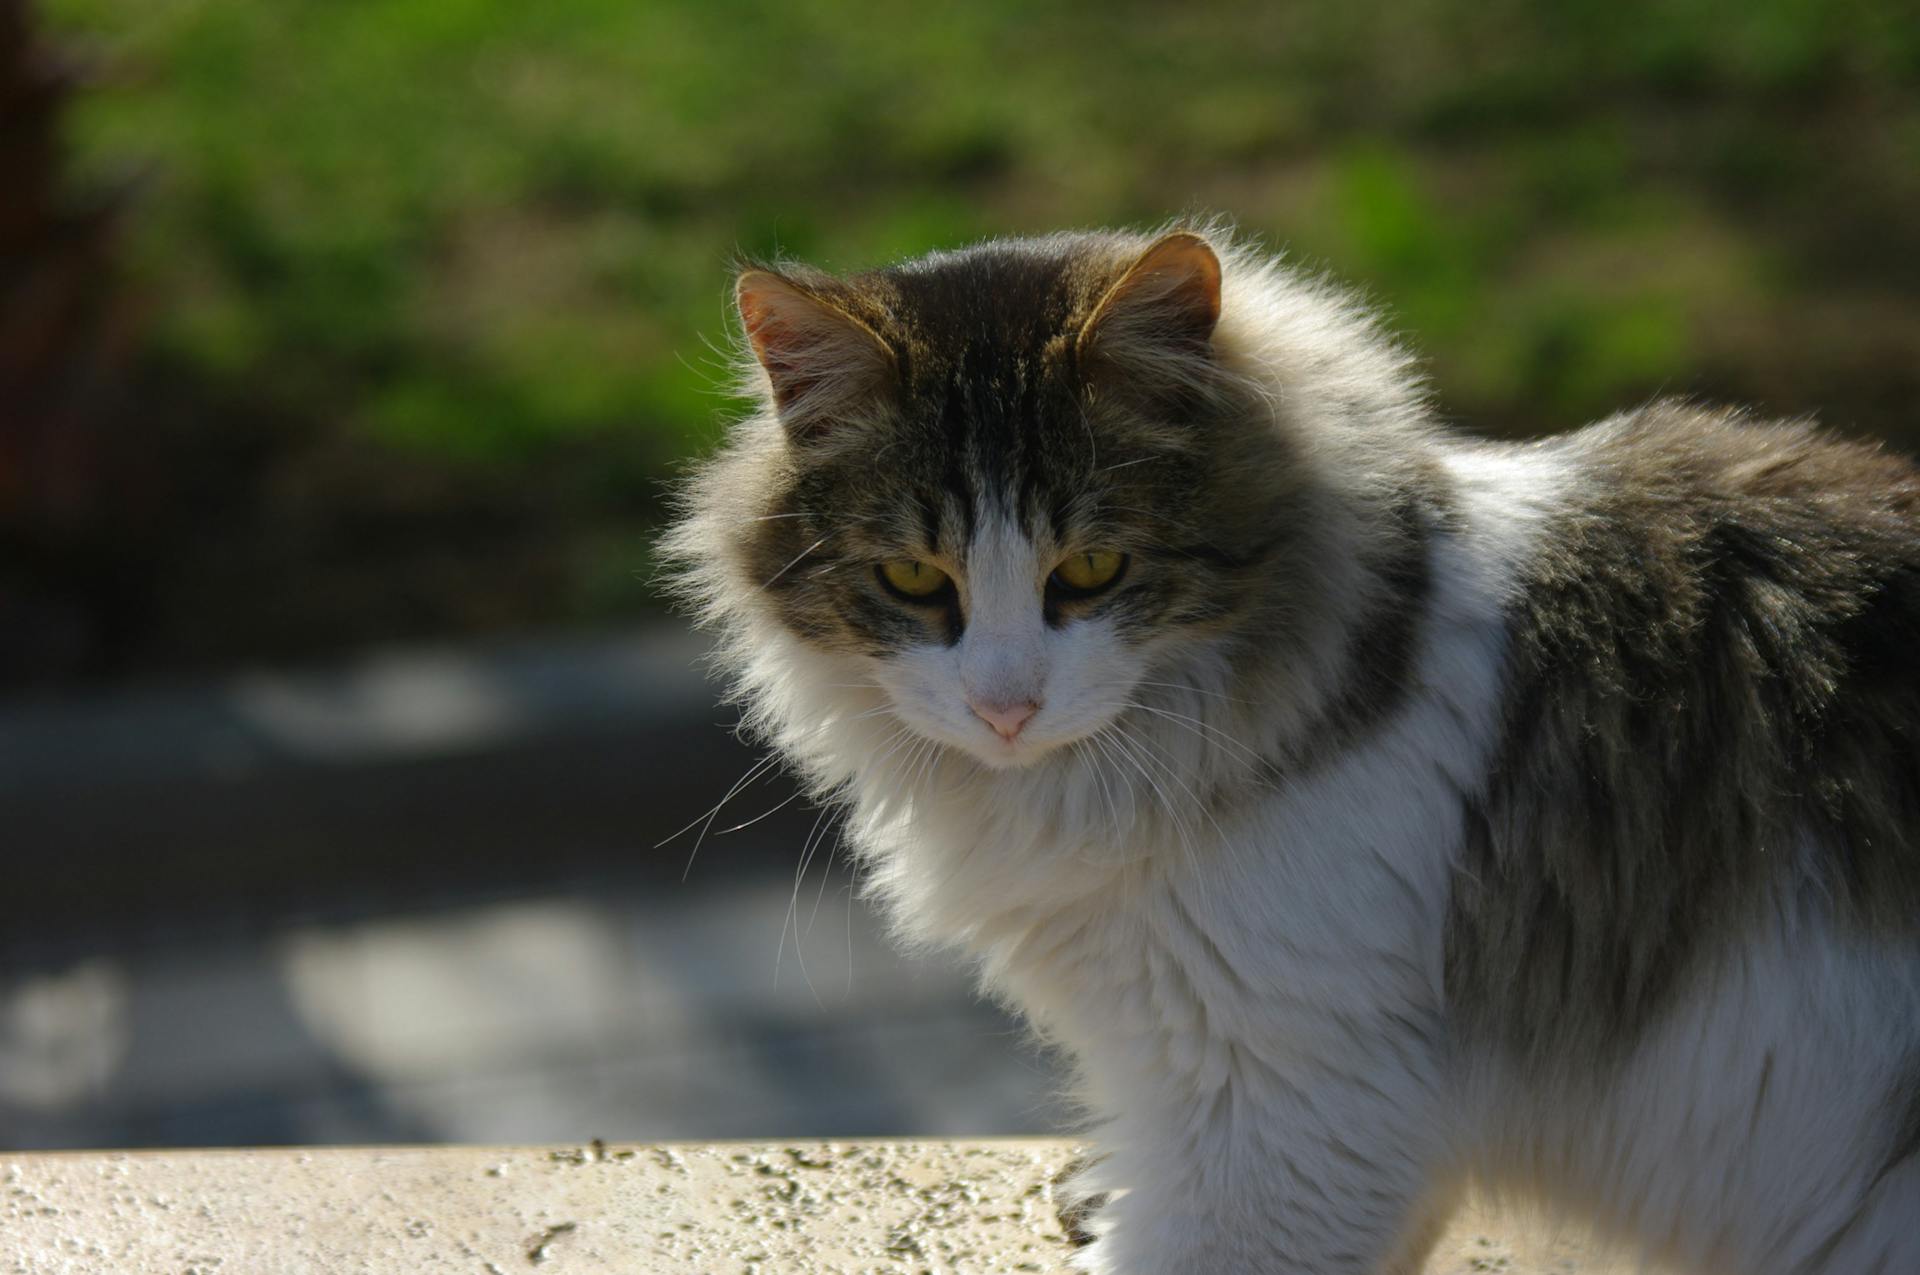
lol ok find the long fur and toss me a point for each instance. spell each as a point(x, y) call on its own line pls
point(1524, 815)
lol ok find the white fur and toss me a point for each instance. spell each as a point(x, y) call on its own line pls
point(1250, 977)
point(1253, 990)
point(1731, 1142)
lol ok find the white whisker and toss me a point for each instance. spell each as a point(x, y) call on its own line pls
point(798, 559)
point(787, 801)
point(1203, 731)
point(1187, 686)
point(1129, 464)
point(706, 821)
point(792, 918)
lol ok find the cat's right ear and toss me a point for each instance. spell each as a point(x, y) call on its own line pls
point(1154, 326)
point(820, 361)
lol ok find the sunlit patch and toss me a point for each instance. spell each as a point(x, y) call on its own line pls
point(63, 1036)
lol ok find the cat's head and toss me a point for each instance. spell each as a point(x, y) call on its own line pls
point(1001, 488)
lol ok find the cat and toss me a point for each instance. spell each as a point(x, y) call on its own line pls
point(1366, 810)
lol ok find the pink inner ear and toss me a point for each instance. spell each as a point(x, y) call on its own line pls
point(1172, 293)
point(755, 315)
point(818, 358)
point(1184, 276)
point(768, 308)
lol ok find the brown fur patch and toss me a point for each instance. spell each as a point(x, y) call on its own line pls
point(1712, 708)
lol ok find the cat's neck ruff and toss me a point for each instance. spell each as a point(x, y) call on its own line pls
point(1391, 547)
point(971, 855)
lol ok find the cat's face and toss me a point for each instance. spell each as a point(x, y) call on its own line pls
point(997, 492)
point(999, 654)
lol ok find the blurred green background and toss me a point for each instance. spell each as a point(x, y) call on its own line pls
point(414, 302)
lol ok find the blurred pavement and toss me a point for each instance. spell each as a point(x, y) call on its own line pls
point(418, 899)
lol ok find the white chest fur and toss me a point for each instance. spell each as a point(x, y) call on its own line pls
point(1105, 876)
point(1244, 977)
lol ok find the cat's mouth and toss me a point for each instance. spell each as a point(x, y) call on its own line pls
point(1003, 753)
point(1014, 751)
point(990, 748)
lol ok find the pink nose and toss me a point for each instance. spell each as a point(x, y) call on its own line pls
point(1006, 719)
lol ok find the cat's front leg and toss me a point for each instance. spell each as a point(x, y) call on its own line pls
point(1268, 1175)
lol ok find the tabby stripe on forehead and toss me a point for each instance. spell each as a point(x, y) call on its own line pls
point(930, 524)
point(960, 489)
point(1028, 496)
point(1024, 425)
point(1057, 517)
point(957, 423)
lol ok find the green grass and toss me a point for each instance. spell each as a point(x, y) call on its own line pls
point(474, 236)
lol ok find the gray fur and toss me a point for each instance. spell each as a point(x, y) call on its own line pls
point(1713, 710)
point(1694, 651)
point(995, 396)
point(1711, 664)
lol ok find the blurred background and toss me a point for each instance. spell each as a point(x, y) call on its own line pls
point(347, 351)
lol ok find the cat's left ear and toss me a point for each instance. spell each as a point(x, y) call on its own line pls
point(1162, 311)
point(820, 361)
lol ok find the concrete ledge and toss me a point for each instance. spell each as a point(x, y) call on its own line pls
point(756, 1209)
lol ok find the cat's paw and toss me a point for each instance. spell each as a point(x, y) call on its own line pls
point(1093, 1260)
point(1075, 1206)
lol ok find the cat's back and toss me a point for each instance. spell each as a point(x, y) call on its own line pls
point(1711, 709)
point(1693, 543)
point(1671, 474)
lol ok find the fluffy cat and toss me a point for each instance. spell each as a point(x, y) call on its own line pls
point(1365, 809)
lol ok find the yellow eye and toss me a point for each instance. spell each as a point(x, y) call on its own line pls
point(913, 579)
point(1089, 572)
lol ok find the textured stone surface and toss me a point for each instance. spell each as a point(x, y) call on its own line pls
point(760, 1209)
